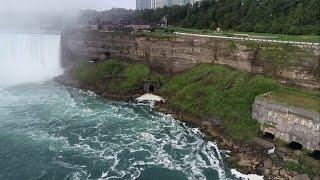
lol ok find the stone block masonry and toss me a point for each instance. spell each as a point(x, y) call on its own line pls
point(288, 123)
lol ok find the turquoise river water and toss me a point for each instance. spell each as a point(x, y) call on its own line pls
point(53, 132)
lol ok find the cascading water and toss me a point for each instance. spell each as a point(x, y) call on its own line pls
point(26, 58)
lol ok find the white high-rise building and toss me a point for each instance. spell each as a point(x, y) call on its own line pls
point(143, 4)
point(194, 1)
point(154, 4)
point(158, 4)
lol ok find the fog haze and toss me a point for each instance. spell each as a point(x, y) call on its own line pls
point(60, 5)
point(23, 15)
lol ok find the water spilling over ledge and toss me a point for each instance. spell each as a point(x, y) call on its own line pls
point(26, 58)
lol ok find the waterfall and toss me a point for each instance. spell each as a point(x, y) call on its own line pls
point(28, 58)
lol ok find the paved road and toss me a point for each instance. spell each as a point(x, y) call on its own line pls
point(250, 39)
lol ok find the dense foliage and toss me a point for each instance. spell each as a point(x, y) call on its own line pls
point(268, 16)
point(114, 76)
point(300, 167)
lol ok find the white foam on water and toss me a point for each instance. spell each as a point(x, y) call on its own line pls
point(126, 138)
point(246, 177)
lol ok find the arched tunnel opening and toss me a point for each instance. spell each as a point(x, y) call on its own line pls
point(268, 135)
point(295, 145)
point(316, 154)
point(151, 88)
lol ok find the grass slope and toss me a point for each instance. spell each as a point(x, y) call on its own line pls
point(209, 90)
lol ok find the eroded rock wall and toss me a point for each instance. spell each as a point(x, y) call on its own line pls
point(288, 123)
point(298, 65)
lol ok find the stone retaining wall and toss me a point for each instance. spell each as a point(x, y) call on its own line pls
point(288, 123)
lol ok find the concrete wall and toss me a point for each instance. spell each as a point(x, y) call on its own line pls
point(289, 63)
point(288, 123)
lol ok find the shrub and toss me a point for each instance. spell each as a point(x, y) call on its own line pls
point(134, 76)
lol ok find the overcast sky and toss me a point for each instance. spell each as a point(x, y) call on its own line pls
point(44, 5)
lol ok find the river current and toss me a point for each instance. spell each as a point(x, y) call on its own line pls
point(49, 131)
point(54, 132)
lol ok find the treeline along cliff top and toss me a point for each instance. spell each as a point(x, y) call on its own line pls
point(298, 17)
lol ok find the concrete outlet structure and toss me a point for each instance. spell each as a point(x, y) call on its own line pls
point(290, 124)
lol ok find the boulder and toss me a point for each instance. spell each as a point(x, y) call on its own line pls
point(316, 178)
point(266, 172)
point(214, 120)
point(267, 164)
point(264, 144)
point(275, 172)
point(301, 177)
point(283, 172)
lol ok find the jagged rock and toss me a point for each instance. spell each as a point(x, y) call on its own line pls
point(294, 173)
point(283, 172)
point(236, 146)
point(283, 150)
point(175, 116)
point(275, 172)
point(297, 152)
point(215, 120)
point(301, 177)
point(277, 167)
point(244, 161)
point(228, 141)
point(266, 172)
point(316, 178)
point(265, 145)
point(163, 109)
point(255, 161)
point(267, 164)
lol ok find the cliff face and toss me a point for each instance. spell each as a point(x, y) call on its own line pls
point(294, 64)
point(288, 123)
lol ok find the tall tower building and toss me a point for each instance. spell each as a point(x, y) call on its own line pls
point(192, 2)
point(179, 2)
point(154, 4)
point(143, 4)
point(159, 3)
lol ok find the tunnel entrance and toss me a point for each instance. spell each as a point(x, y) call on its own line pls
point(295, 145)
point(151, 88)
point(316, 154)
point(268, 135)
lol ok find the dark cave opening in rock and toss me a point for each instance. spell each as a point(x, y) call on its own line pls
point(316, 154)
point(268, 135)
point(151, 88)
point(295, 145)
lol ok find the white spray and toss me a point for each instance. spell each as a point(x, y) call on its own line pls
point(28, 58)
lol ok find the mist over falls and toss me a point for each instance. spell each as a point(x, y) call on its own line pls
point(27, 58)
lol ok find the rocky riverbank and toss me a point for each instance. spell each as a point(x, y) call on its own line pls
point(248, 158)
